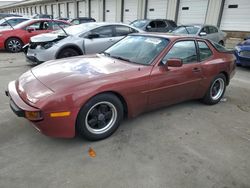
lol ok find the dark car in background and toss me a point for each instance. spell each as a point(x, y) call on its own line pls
point(206, 31)
point(242, 53)
point(81, 20)
point(37, 16)
point(154, 25)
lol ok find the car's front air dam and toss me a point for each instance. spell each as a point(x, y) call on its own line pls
point(63, 127)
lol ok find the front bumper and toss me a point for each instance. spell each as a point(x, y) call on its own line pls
point(63, 127)
point(240, 60)
point(39, 55)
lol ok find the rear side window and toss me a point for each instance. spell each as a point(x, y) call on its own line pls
point(121, 30)
point(184, 50)
point(219, 47)
point(204, 50)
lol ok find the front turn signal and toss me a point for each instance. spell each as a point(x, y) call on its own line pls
point(33, 115)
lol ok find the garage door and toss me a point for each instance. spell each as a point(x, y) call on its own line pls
point(95, 9)
point(55, 11)
point(236, 14)
point(130, 10)
point(49, 11)
point(43, 9)
point(82, 11)
point(157, 9)
point(62, 12)
point(110, 10)
point(192, 11)
point(71, 10)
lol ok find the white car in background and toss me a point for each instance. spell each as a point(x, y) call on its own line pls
point(87, 38)
point(205, 31)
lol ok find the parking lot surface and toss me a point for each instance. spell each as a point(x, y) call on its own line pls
point(187, 145)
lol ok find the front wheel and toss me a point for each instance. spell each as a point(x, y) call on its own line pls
point(67, 52)
point(99, 117)
point(14, 45)
point(216, 90)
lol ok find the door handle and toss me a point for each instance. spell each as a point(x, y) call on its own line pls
point(110, 40)
point(196, 69)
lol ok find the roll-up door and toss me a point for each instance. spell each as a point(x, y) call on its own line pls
point(192, 11)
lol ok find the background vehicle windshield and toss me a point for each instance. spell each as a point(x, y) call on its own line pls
point(139, 23)
point(187, 30)
point(138, 49)
point(77, 29)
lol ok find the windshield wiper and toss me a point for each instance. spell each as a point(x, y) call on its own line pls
point(106, 54)
point(122, 58)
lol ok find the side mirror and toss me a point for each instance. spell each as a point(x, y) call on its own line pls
point(148, 27)
point(30, 29)
point(173, 63)
point(93, 35)
point(203, 34)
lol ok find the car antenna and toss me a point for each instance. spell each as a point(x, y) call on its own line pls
point(8, 23)
point(60, 27)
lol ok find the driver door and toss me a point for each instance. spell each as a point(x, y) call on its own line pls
point(170, 85)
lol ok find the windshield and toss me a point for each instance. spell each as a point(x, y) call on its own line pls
point(139, 23)
point(137, 49)
point(2, 21)
point(186, 30)
point(77, 29)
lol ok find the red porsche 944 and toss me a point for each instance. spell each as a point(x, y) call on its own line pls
point(92, 94)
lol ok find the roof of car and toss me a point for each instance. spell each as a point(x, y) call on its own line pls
point(167, 35)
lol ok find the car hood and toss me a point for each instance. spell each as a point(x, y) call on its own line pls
point(244, 45)
point(45, 37)
point(68, 73)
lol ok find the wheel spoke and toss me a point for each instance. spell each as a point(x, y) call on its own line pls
point(92, 122)
point(101, 124)
point(94, 112)
point(103, 108)
point(108, 115)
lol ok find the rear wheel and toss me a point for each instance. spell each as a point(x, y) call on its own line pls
point(14, 45)
point(67, 52)
point(99, 117)
point(216, 90)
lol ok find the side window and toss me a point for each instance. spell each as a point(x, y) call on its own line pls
point(121, 30)
point(35, 26)
point(161, 24)
point(205, 29)
point(213, 29)
point(184, 50)
point(152, 24)
point(103, 32)
point(204, 50)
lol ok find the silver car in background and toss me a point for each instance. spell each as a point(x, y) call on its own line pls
point(205, 31)
point(87, 38)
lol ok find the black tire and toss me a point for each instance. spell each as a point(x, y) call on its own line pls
point(14, 45)
point(221, 43)
point(213, 96)
point(95, 123)
point(67, 52)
